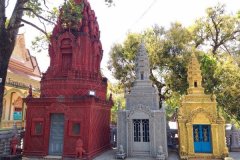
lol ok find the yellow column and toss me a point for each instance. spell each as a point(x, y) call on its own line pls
point(190, 138)
point(182, 137)
point(215, 143)
point(222, 141)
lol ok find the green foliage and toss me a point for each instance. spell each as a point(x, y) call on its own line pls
point(40, 43)
point(34, 5)
point(119, 101)
point(221, 76)
point(215, 36)
point(172, 104)
point(217, 30)
point(71, 14)
point(208, 68)
point(53, 15)
point(228, 90)
point(122, 59)
point(168, 56)
point(7, 23)
point(173, 57)
point(38, 9)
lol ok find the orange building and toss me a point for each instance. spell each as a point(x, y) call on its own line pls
point(23, 71)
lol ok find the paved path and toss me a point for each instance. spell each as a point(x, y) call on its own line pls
point(109, 155)
point(235, 155)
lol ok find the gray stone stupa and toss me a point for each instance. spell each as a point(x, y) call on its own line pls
point(141, 128)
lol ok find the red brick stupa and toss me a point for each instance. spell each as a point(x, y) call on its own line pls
point(72, 116)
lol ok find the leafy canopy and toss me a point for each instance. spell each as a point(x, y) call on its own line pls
point(71, 14)
point(213, 38)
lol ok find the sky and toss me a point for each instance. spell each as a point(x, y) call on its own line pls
point(134, 16)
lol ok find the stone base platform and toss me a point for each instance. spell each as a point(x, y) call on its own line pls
point(10, 157)
point(110, 155)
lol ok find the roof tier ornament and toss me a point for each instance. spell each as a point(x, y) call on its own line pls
point(194, 76)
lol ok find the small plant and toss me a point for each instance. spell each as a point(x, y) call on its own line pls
point(71, 14)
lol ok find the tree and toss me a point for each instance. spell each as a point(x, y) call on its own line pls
point(122, 60)
point(219, 32)
point(9, 29)
point(119, 101)
point(218, 29)
point(228, 90)
point(9, 26)
point(214, 37)
point(221, 76)
point(166, 49)
point(173, 57)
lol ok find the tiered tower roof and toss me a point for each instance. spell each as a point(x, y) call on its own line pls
point(142, 64)
point(143, 91)
point(75, 55)
point(194, 76)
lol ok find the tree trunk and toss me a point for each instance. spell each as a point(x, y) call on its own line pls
point(6, 48)
point(3, 74)
point(8, 37)
point(159, 86)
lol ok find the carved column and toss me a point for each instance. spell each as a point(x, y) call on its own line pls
point(190, 138)
point(152, 135)
point(215, 143)
point(182, 136)
point(129, 136)
point(221, 133)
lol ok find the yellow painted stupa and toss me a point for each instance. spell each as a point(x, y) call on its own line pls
point(201, 130)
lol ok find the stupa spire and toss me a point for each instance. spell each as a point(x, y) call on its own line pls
point(194, 76)
point(142, 63)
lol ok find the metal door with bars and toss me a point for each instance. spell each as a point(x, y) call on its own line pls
point(141, 136)
point(202, 138)
point(56, 134)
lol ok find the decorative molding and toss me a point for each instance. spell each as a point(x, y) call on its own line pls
point(195, 112)
point(57, 108)
point(141, 108)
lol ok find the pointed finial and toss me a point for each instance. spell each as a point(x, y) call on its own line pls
point(110, 97)
point(194, 76)
point(142, 68)
point(30, 91)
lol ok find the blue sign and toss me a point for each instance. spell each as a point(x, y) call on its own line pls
point(17, 116)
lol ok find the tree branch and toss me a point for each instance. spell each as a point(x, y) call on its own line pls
point(209, 29)
point(2, 3)
point(44, 2)
point(14, 21)
point(39, 16)
point(155, 81)
point(16, 27)
point(231, 37)
point(216, 30)
point(7, 4)
point(42, 24)
point(35, 26)
point(225, 47)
